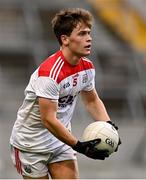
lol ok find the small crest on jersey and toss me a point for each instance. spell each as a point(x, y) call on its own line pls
point(85, 78)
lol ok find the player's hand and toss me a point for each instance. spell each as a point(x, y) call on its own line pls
point(88, 148)
point(116, 127)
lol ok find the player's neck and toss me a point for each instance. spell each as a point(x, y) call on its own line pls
point(70, 57)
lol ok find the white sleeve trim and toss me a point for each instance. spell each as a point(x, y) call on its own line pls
point(47, 88)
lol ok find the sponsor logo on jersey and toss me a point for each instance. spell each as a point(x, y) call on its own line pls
point(66, 100)
point(66, 85)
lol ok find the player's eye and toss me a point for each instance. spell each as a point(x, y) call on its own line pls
point(82, 33)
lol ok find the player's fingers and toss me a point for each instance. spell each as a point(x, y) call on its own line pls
point(120, 142)
point(113, 124)
point(95, 142)
point(104, 153)
point(101, 156)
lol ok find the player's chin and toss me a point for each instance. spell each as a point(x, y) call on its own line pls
point(87, 53)
point(84, 53)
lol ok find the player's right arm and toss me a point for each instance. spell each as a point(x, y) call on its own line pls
point(48, 111)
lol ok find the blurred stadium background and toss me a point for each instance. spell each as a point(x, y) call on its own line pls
point(119, 46)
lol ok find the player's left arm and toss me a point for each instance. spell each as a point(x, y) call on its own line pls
point(94, 105)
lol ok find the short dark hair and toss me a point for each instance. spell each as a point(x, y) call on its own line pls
point(66, 20)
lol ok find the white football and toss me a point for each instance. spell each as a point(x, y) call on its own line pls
point(106, 132)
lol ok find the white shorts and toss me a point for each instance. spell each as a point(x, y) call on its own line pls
point(36, 164)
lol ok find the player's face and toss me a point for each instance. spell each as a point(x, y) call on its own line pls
point(80, 40)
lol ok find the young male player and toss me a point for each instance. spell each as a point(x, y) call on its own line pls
point(41, 138)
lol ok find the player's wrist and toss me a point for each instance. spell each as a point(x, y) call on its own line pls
point(78, 147)
point(73, 142)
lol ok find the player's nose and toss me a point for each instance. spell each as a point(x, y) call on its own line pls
point(89, 39)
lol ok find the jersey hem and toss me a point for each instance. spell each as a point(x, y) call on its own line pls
point(33, 150)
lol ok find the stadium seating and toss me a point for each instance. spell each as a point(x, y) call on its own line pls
point(124, 20)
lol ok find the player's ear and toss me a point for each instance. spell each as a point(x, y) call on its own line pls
point(65, 40)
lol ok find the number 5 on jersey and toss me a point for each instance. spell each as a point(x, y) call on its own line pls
point(75, 79)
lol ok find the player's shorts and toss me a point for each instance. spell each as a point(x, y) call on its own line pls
point(36, 164)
